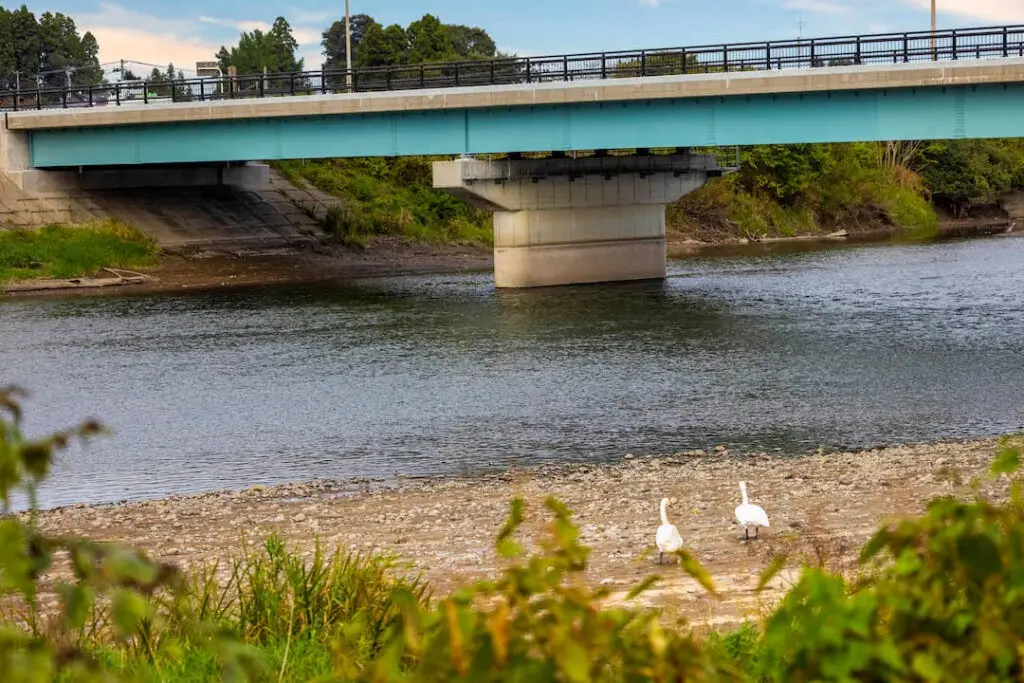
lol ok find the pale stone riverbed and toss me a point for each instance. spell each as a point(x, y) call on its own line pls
point(822, 505)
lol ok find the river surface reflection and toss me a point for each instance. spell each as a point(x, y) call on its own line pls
point(849, 346)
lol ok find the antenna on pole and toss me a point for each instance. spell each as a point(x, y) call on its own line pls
point(800, 23)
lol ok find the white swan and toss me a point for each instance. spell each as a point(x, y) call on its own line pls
point(668, 538)
point(747, 514)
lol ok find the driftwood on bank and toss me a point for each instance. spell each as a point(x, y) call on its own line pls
point(120, 278)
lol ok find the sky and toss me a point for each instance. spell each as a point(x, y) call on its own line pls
point(187, 31)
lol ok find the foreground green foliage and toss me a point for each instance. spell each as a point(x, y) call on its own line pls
point(60, 251)
point(390, 197)
point(938, 598)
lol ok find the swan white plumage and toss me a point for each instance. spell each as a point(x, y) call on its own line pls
point(667, 538)
point(748, 514)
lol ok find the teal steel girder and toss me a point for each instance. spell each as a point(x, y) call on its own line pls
point(976, 111)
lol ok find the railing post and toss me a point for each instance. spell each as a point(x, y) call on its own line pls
point(604, 65)
point(813, 54)
point(906, 48)
point(767, 56)
point(90, 95)
point(725, 58)
point(387, 78)
point(17, 98)
point(491, 81)
point(145, 92)
point(1006, 43)
point(956, 52)
point(263, 84)
point(202, 89)
point(291, 84)
point(856, 57)
point(527, 69)
point(423, 77)
point(173, 90)
point(64, 96)
point(323, 81)
point(565, 69)
point(456, 74)
point(683, 64)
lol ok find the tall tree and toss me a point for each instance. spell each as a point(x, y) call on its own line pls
point(333, 42)
point(45, 51)
point(469, 42)
point(383, 46)
point(428, 41)
point(273, 51)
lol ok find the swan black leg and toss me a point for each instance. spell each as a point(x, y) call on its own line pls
point(746, 533)
point(661, 556)
point(757, 532)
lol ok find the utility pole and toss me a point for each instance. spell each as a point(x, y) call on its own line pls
point(348, 47)
point(935, 53)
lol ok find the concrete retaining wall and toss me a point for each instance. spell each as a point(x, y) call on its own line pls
point(223, 217)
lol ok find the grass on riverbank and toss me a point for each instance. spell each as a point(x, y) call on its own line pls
point(788, 191)
point(63, 251)
point(390, 197)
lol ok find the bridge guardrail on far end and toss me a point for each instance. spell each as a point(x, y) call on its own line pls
point(888, 48)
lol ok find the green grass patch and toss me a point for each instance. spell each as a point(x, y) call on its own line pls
point(390, 197)
point(63, 251)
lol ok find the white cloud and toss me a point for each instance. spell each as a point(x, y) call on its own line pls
point(818, 6)
point(651, 3)
point(133, 36)
point(997, 11)
point(125, 34)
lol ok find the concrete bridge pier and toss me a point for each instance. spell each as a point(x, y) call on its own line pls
point(576, 221)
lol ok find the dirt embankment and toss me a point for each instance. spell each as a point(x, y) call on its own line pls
point(822, 507)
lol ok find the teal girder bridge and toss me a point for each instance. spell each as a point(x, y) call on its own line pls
point(957, 84)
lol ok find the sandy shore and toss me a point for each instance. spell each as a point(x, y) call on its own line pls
point(823, 506)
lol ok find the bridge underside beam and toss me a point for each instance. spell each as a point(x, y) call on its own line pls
point(569, 227)
point(928, 112)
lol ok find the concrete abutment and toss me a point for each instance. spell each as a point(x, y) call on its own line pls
point(577, 221)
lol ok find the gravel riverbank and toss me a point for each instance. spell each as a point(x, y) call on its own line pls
point(823, 505)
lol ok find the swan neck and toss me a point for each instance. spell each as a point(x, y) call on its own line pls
point(743, 490)
point(664, 512)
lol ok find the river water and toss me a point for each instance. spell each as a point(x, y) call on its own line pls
point(841, 347)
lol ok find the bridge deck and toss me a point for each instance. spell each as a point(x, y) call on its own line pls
point(625, 90)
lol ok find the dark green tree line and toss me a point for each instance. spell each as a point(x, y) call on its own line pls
point(48, 51)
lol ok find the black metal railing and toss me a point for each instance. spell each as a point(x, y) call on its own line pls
point(890, 48)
